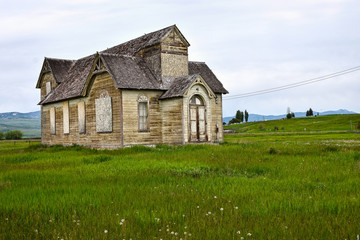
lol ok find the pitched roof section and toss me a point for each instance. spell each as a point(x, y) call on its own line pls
point(133, 46)
point(130, 72)
point(58, 67)
point(75, 82)
point(179, 86)
point(206, 73)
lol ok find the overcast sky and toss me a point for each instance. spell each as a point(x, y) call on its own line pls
point(249, 45)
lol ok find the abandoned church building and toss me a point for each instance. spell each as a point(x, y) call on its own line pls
point(144, 91)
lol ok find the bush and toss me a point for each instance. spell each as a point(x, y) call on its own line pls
point(234, 120)
point(1, 135)
point(16, 134)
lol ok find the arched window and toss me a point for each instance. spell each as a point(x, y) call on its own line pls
point(196, 100)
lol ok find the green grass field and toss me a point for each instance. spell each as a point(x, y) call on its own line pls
point(305, 124)
point(253, 186)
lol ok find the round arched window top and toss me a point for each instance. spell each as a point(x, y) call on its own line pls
point(196, 100)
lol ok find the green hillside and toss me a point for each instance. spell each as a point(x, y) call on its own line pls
point(305, 124)
point(30, 127)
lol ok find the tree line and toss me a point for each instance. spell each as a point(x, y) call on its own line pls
point(240, 117)
point(11, 135)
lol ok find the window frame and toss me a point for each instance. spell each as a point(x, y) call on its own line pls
point(143, 100)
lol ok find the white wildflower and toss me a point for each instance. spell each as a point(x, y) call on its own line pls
point(215, 196)
point(221, 209)
point(238, 232)
point(249, 234)
point(105, 231)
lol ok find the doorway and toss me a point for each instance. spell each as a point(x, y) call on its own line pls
point(197, 119)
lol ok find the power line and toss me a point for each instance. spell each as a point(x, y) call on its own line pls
point(293, 85)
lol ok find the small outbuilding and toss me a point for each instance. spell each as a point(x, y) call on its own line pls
point(144, 91)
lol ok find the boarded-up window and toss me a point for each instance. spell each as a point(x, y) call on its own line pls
point(103, 109)
point(52, 121)
point(66, 119)
point(143, 116)
point(48, 87)
point(81, 117)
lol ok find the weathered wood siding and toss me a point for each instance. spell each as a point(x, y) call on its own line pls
point(131, 133)
point(102, 82)
point(172, 121)
point(47, 77)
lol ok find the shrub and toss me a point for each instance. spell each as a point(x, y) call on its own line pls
point(272, 151)
point(234, 120)
point(1, 135)
point(16, 134)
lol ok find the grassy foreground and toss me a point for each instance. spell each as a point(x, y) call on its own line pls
point(254, 186)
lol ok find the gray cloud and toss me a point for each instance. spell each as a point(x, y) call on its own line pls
point(250, 45)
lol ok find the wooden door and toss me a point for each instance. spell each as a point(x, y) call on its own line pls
point(197, 120)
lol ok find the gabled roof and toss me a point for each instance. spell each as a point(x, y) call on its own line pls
point(58, 67)
point(179, 86)
point(73, 86)
point(210, 78)
point(133, 46)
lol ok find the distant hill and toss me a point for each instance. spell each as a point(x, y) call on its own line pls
point(28, 123)
point(12, 115)
point(258, 117)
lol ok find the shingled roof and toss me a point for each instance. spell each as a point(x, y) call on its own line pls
point(135, 45)
point(179, 86)
point(128, 70)
point(206, 73)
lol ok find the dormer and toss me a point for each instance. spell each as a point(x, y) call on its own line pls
point(53, 72)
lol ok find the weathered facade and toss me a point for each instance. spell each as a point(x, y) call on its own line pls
point(144, 91)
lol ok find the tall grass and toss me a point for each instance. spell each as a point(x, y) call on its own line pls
point(250, 187)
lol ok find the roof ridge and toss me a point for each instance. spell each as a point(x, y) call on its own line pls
point(116, 55)
point(59, 59)
point(196, 62)
point(139, 38)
